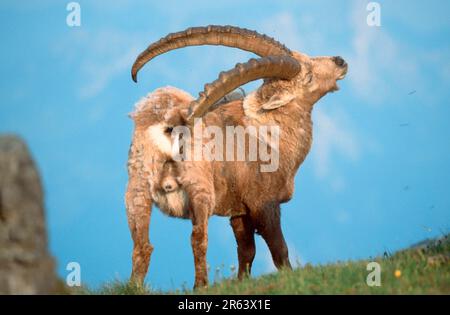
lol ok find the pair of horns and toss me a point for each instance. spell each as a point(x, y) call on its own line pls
point(276, 62)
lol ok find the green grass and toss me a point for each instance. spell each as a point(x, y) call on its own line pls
point(424, 270)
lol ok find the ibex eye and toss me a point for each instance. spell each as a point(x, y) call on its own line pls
point(168, 130)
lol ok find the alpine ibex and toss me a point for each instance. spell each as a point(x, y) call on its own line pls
point(293, 83)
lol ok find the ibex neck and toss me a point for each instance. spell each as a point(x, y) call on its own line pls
point(293, 118)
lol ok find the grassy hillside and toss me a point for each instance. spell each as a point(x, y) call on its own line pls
point(424, 269)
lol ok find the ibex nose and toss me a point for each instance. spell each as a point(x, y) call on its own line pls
point(339, 61)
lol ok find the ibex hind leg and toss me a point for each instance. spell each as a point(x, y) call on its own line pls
point(244, 232)
point(268, 225)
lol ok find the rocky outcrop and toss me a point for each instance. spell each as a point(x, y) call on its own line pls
point(26, 266)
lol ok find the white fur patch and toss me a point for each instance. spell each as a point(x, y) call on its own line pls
point(250, 105)
point(160, 138)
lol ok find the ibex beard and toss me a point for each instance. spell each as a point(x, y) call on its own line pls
point(196, 188)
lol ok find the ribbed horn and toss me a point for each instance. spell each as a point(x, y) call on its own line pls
point(278, 67)
point(231, 36)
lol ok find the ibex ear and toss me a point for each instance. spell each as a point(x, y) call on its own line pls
point(277, 101)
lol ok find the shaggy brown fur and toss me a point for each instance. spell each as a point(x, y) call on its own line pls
point(228, 188)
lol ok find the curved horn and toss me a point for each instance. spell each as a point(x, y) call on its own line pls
point(279, 67)
point(231, 36)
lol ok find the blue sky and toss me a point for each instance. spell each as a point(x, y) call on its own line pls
point(376, 179)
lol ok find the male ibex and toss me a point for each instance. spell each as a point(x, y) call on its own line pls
point(293, 83)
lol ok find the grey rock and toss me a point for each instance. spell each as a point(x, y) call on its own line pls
point(26, 267)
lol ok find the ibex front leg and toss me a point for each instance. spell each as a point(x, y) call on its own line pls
point(138, 212)
point(199, 187)
point(139, 206)
point(199, 241)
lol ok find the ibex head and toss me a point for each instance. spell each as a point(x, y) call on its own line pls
point(319, 75)
point(302, 77)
